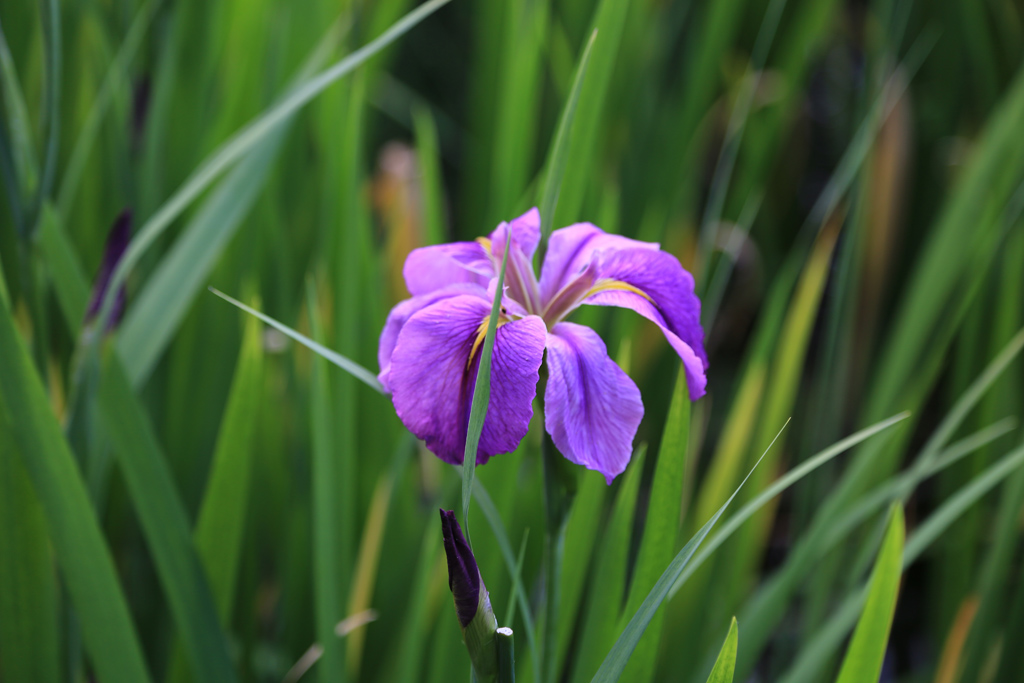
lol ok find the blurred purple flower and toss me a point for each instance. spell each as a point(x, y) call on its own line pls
point(117, 242)
point(429, 346)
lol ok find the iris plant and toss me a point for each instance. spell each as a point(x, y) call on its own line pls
point(430, 346)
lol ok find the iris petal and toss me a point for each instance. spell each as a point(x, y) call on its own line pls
point(592, 408)
point(432, 380)
point(429, 269)
point(571, 250)
point(525, 232)
point(401, 313)
point(655, 285)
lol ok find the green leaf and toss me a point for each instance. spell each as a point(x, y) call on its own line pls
point(428, 157)
point(28, 587)
point(328, 601)
point(69, 280)
point(221, 520)
point(219, 528)
point(349, 366)
point(149, 481)
point(585, 141)
point(117, 78)
point(558, 154)
point(490, 512)
point(17, 120)
point(164, 523)
point(522, 33)
point(607, 589)
point(777, 487)
point(863, 661)
point(832, 522)
point(50, 16)
point(481, 392)
point(581, 536)
point(235, 148)
point(818, 651)
point(725, 665)
point(412, 641)
point(160, 307)
point(660, 525)
point(82, 553)
point(615, 662)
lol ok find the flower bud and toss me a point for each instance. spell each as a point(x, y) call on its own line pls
point(117, 242)
point(472, 603)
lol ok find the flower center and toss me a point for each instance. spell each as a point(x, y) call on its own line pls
point(481, 332)
point(573, 294)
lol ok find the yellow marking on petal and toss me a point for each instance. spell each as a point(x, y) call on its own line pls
point(481, 332)
point(484, 242)
point(612, 285)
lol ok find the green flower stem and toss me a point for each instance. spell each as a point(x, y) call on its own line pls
point(480, 638)
point(559, 490)
point(506, 655)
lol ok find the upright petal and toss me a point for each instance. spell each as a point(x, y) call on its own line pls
point(592, 408)
point(522, 283)
point(401, 313)
point(525, 232)
point(570, 251)
point(433, 371)
point(428, 269)
point(655, 285)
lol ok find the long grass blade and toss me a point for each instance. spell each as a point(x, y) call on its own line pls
point(660, 526)
point(817, 651)
point(28, 588)
point(481, 392)
point(79, 546)
point(245, 139)
point(165, 524)
point(558, 155)
point(490, 513)
point(325, 511)
point(615, 662)
point(158, 310)
point(17, 121)
point(349, 366)
point(219, 529)
point(725, 665)
point(863, 661)
point(777, 487)
point(50, 15)
point(609, 20)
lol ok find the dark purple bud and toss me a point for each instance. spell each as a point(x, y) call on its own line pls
point(117, 242)
point(463, 575)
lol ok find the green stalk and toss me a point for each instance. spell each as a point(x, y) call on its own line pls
point(559, 490)
point(506, 655)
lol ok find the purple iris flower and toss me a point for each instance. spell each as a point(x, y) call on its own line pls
point(430, 346)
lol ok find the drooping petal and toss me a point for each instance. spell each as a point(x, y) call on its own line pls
point(401, 313)
point(433, 371)
point(655, 285)
point(570, 251)
point(428, 269)
point(592, 408)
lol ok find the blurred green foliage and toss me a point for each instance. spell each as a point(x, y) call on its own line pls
point(193, 496)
